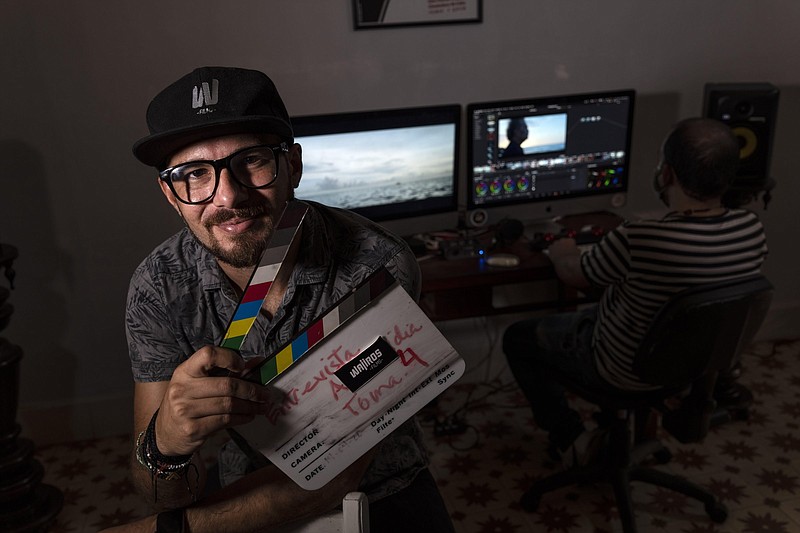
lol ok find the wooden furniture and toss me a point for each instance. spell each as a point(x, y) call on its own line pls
point(466, 287)
point(25, 503)
point(462, 288)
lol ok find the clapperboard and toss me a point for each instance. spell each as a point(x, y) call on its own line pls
point(347, 380)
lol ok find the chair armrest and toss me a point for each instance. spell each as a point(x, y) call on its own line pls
point(353, 517)
point(355, 512)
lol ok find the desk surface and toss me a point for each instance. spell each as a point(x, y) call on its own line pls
point(440, 274)
point(462, 288)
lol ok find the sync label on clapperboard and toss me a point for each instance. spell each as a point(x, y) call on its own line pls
point(353, 388)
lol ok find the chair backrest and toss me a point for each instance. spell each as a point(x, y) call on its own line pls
point(702, 329)
point(353, 517)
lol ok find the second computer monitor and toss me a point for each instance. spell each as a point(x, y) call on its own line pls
point(537, 158)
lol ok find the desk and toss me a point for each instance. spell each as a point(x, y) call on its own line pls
point(463, 288)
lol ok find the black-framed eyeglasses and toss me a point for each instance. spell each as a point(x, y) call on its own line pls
point(196, 182)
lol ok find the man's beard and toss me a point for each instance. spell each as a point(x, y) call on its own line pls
point(246, 251)
point(247, 248)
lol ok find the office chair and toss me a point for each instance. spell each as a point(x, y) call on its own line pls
point(352, 518)
point(698, 332)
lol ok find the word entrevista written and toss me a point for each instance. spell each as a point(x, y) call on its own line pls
point(357, 402)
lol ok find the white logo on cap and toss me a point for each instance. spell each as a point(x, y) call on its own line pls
point(205, 97)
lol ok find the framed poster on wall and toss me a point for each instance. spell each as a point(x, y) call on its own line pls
point(370, 14)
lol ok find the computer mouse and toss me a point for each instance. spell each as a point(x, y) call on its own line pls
point(503, 260)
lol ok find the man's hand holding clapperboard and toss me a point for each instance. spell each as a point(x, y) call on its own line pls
point(363, 368)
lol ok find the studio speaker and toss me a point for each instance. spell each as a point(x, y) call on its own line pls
point(750, 109)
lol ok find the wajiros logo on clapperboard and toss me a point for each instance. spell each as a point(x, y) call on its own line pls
point(366, 365)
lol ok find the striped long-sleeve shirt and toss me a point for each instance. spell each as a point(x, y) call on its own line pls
point(641, 264)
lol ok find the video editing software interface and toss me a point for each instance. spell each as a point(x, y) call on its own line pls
point(547, 148)
point(387, 164)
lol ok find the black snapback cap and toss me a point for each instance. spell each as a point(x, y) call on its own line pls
point(210, 102)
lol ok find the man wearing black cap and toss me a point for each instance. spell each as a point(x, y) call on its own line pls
point(222, 142)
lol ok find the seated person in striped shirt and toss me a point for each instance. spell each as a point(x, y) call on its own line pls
point(638, 266)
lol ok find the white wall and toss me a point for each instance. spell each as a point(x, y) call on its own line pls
point(77, 76)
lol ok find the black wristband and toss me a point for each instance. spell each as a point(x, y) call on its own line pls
point(172, 521)
point(148, 455)
point(150, 435)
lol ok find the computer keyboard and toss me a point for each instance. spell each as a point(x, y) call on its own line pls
point(586, 237)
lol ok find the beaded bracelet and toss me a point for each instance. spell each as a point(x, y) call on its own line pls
point(159, 465)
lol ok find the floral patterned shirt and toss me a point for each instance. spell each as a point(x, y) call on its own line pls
point(179, 300)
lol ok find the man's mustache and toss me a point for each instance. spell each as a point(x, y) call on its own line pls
point(220, 217)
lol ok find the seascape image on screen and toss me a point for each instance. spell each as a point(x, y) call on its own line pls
point(546, 133)
point(373, 168)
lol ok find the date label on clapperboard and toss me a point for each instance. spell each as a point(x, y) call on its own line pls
point(353, 388)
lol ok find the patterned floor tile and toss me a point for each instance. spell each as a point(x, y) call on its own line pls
point(766, 518)
point(752, 465)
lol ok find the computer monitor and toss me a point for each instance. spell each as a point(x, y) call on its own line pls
point(537, 158)
point(397, 167)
